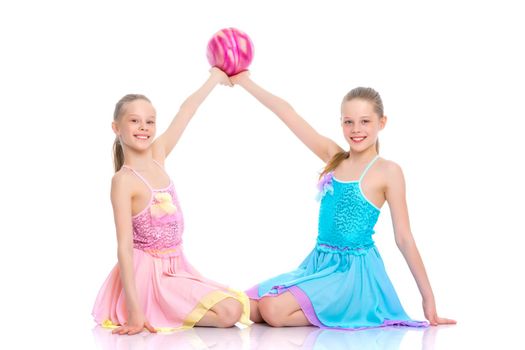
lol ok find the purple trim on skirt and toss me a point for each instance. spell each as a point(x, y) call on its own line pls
point(300, 296)
point(253, 292)
point(306, 305)
point(308, 309)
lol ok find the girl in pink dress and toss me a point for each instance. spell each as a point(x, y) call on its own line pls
point(153, 286)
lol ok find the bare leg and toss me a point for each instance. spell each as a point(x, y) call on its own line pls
point(282, 311)
point(224, 314)
point(255, 315)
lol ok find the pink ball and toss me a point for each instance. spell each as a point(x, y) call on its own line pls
point(231, 50)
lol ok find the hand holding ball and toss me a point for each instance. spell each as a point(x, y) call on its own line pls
point(230, 50)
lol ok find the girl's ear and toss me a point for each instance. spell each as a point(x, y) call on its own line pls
point(114, 126)
point(382, 122)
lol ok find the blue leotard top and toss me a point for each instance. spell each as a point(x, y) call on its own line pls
point(346, 217)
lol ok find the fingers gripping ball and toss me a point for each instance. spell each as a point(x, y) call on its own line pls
point(231, 50)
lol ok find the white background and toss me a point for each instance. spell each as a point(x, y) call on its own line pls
point(451, 76)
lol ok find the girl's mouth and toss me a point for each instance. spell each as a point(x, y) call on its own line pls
point(358, 138)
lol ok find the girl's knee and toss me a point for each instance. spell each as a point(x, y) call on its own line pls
point(271, 312)
point(229, 312)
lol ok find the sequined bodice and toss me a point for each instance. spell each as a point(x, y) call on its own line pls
point(158, 228)
point(346, 217)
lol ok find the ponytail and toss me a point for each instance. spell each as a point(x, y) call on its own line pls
point(118, 154)
point(334, 162)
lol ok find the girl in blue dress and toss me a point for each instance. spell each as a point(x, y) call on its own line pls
point(342, 283)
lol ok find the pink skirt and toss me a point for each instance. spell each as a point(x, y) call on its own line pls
point(172, 294)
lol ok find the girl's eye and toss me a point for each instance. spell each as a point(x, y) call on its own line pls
point(348, 122)
point(366, 121)
point(151, 122)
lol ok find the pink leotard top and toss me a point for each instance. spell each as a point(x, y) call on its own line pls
point(158, 228)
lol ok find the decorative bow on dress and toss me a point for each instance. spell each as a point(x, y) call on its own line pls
point(163, 209)
point(325, 186)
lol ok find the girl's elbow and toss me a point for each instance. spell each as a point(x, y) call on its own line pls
point(404, 241)
point(399, 243)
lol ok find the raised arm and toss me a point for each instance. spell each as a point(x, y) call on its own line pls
point(165, 143)
point(396, 198)
point(121, 201)
point(322, 146)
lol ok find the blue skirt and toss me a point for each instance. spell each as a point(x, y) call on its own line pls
point(346, 289)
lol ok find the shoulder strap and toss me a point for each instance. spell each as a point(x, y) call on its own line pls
point(139, 176)
point(368, 167)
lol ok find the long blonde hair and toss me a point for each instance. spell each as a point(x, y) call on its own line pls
point(363, 93)
point(118, 153)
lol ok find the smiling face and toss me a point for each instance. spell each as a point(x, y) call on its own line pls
point(361, 124)
point(135, 125)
